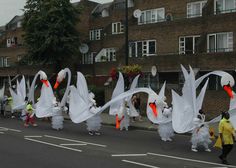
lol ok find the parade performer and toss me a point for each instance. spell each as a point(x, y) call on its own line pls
point(200, 134)
point(166, 130)
point(29, 115)
point(94, 122)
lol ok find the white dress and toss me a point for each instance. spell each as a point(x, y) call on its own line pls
point(93, 123)
point(124, 117)
point(166, 130)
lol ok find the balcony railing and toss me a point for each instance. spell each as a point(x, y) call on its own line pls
point(217, 12)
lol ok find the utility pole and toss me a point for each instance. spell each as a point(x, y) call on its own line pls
point(126, 34)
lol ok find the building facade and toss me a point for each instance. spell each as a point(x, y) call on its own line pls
point(164, 34)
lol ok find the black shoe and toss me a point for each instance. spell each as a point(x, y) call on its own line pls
point(225, 162)
point(221, 158)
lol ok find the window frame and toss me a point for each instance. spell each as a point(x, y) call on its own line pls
point(216, 49)
point(190, 9)
point(184, 42)
point(145, 45)
point(154, 13)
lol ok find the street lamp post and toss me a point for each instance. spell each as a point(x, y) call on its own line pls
point(126, 34)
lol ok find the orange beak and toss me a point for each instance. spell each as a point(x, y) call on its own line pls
point(56, 84)
point(228, 89)
point(45, 82)
point(154, 108)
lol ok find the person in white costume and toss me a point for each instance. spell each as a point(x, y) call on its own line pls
point(123, 116)
point(94, 122)
point(166, 130)
point(200, 134)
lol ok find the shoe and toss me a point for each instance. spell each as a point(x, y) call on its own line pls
point(35, 125)
point(225, 162)
point(97, 133)
point(208, 150)
point(91, 133)
point(221, 158)
point(13, 117)
point(26, 125)
point(194, 150)
point(164, 139)
point(168, 139)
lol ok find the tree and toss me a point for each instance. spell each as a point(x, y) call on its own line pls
point(50, 34)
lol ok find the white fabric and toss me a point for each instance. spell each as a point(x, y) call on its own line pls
point(45, 105)
point(117, 91)
point(2, 90)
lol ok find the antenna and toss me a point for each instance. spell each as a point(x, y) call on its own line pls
point(83, 48)
point(137, 13)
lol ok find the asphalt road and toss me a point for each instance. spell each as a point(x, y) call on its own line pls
point(72, 147)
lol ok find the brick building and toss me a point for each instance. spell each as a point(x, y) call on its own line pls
point(164, 34)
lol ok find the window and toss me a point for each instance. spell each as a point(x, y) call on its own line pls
point(194, 9)
point(142, 48)
point(4, 62)
point(117, 28)
point(147, 80)
point(188, 44)
point(106, 54)
point(220, 42)
point(152, 16)
point(224, 6)
point(88, 58)
point(95, 34)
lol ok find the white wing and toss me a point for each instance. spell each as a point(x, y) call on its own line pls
point(2, 90)
point(45, 107)
point(79, 109)
point(82, 87)
point(22, 87)
point(18, 102)
point(117, 91)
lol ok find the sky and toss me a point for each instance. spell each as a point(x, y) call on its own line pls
point(11, 8)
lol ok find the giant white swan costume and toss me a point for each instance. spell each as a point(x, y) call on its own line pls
point(57, 119)
point(187, 106)
point(79, 105)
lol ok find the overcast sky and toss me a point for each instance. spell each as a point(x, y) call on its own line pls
point(10, 8)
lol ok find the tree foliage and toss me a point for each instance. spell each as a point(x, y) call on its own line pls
point(50, 34)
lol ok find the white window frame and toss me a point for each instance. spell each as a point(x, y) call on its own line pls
point(229, 42)
point(145, 48)
point(154, 13)
point(190, 9)
point(117, 28)
point(224, 10)
point(95, 34)
point(182, 44)
point(87, 58)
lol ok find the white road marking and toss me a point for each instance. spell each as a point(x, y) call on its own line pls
point(33, 136)
point(71, 140)
point(73, 144)
point(1, 132)
point(15, 130)
point(42, 142)
point(191, 160)
point(3, 129)
point(120, 155)
point(140, 164)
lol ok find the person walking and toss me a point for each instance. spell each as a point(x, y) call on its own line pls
point(227, 136)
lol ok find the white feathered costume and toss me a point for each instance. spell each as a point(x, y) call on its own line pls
point(94, 122)
point(200, 134)
point(166, 130)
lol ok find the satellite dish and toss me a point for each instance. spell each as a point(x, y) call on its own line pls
point(83, 48)
point(154, 70)
point(137, 13)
